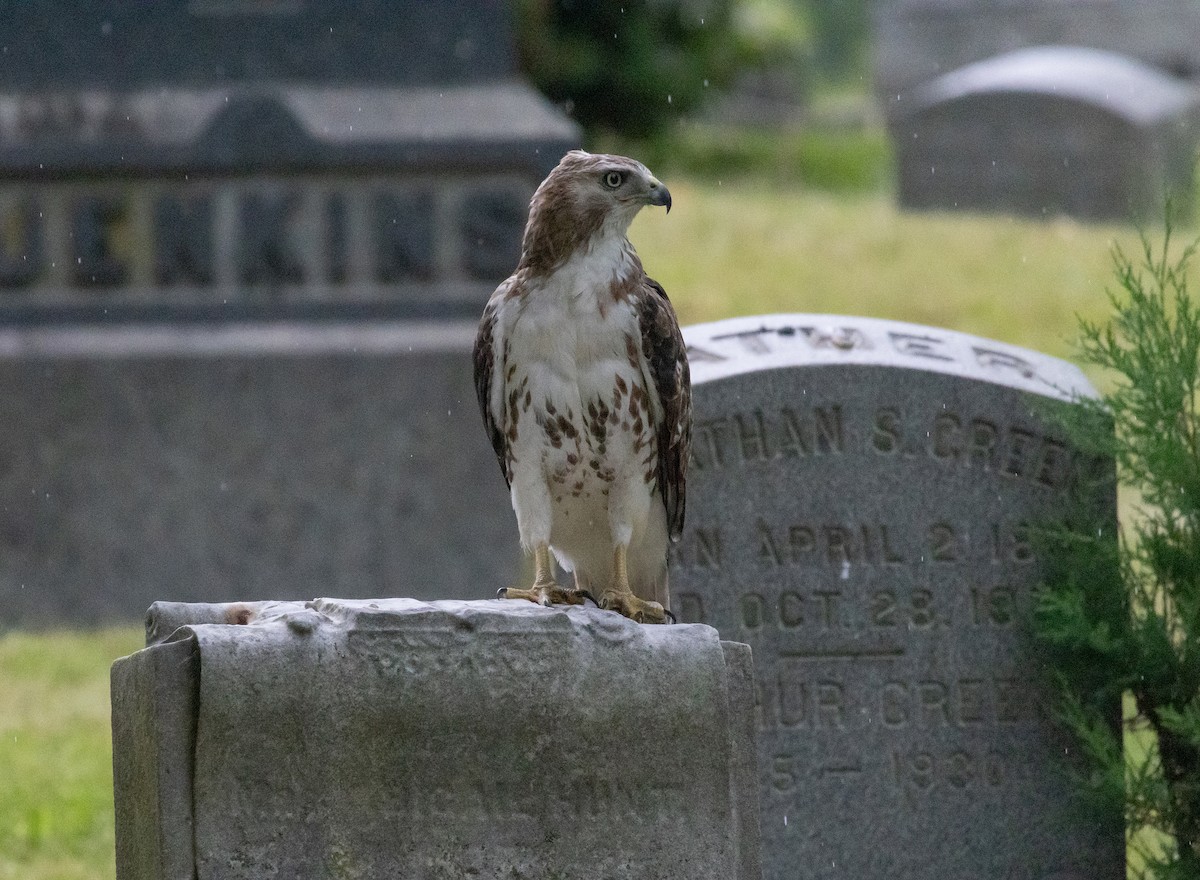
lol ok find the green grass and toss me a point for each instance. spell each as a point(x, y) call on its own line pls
point(56, 755)
point(731, 246)
point(744, 248)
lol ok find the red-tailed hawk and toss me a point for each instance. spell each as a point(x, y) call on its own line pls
point(583, 381)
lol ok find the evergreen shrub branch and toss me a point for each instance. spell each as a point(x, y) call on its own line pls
point(1119, 612)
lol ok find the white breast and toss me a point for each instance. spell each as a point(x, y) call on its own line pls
point(583, 450)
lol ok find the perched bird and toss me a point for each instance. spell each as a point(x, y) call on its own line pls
point(583, 380)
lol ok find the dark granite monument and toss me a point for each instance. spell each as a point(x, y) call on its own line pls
point(436, 741)
point(243, 246)
point(1047, 131)
point(858, 511)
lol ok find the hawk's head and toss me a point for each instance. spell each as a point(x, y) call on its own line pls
point(586, 196)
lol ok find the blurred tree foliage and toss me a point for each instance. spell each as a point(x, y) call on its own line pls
point(628, 66)
point(634, 67)
point(841, 36)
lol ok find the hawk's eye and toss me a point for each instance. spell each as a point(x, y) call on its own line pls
point(613, 179)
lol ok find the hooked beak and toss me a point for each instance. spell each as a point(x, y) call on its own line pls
point(660, 195)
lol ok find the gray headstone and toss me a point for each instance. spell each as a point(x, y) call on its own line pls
point(191, 193)
point(1046, 131)
point(395, 738)
point(857, 513)
point(223, 462)
point(918, 40)
point(227, 159)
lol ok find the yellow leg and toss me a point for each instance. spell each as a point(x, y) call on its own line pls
point(620, 598)
point(545, 590)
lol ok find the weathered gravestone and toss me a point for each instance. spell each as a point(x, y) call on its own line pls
point(243, 246)
point(396, 738)
point(918, 40)
point(857, 513)
point(1049, 130)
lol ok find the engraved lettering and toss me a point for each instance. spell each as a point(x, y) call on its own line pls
point(947, 437)
point(796, 441)
point(708, 548)
point(707, 450)
point(768, 552)
point(932, 697)
point(982, 449)
point(828, 607)
point(267, 252)
point(696, 355)
point(839, 545)
point(1054, 468)
point(943, 543)
point(883, 608)
point(750, 340)
point(995, 605)
point(403, 226)
point(1008, 701)
point(802, 542)
point(98, 233)
point(970, 700)
point(752, 437)
point(183, 244)
point(919, 345)
point(886, 436)
point(783, 773)
point(1018, 455)
point(335, 239)
point(819, 705)
point(894, 704)
point(752, 611)
point(21, 244)
point(829, 429)
point(840, 338)
point(492, 221)
point(959, 769)
point(1002, 360)
point(791, 609)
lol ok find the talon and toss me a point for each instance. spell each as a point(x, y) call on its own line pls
point(670, 614)
point(629, 605)
point(502, 592)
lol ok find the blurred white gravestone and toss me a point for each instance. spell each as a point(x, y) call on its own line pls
point(857, 511)
point(1049, 130)
point(396, 738)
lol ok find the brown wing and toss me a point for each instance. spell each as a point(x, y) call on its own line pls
point(485, 360)
point(666, 355)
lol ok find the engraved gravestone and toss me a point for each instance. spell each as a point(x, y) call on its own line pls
point(432, 740)
point(1049, 130)
point(243, 246)
point(858, 507)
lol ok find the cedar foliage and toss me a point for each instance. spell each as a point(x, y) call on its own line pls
point(1120, 612)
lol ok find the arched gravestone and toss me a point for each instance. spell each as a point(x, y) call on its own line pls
point(1048, 130)
point(857, 510)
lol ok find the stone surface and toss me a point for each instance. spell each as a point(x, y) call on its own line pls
point(857, 510)
point(190, 196)
point(265, 159)
point(918, 40)
point(441, 740)
point(1046, 131)
point(217, 462)
point(106, 43)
